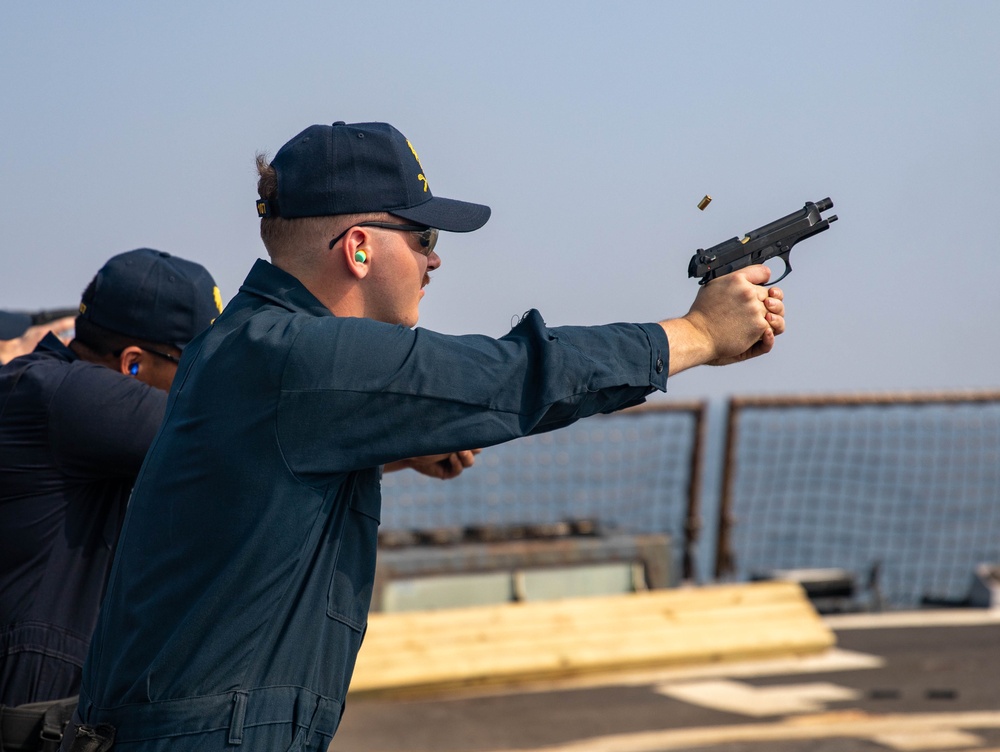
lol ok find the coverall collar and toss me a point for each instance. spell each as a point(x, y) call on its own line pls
point(277, 286)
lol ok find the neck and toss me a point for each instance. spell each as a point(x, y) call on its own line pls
point(341, 296)
point(83, 352)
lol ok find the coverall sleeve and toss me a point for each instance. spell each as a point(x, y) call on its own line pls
point(373, 393)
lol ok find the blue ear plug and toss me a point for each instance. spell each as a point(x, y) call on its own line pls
point(360, 256)
point(133, 369)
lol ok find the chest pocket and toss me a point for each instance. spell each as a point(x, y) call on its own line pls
point(354, 575)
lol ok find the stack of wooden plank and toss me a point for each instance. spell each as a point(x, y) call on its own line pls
point(517, 642)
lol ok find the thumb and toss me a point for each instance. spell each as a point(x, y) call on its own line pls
point(758, 274)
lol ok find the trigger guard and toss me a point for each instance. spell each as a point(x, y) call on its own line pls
point(788, 270)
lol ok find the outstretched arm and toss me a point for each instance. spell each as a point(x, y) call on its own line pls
point(12, 348)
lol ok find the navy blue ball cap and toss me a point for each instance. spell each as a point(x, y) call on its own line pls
point(153, 296)
point(359, 168)
point(13, 324)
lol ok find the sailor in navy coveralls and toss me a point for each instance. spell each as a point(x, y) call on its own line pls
point(75, 424)
point(240, 592)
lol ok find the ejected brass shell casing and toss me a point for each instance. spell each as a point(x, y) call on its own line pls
point(704, 202)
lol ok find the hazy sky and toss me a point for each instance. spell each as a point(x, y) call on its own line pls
point(591, 128)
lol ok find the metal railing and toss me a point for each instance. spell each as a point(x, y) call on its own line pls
point(636, 471)
point(901, 490)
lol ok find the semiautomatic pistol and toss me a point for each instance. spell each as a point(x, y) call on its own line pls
point(773, 240)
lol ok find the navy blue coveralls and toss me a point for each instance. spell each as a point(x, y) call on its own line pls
point(73, 435)
point(240, 593)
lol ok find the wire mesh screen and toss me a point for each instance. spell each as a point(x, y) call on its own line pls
point(631, 471)
point(912, 486)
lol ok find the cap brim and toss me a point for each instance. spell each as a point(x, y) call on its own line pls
point(13, 325)
point(446, 214)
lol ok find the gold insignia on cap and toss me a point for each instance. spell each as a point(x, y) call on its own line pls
point(217, 296)
point(420, 177)
point(414, 153)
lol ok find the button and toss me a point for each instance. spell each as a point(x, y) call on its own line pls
point(659, 364)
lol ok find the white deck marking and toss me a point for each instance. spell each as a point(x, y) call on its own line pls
point(933, 739)
point(830, 660)
point(758, 702)
point(901, 729)
point(954, 617)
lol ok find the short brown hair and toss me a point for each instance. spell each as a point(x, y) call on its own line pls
point(280, 234)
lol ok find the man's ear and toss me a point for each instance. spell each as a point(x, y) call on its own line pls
point(357, 252)
point(130, 360)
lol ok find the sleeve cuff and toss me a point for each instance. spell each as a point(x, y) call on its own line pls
point(659, 355)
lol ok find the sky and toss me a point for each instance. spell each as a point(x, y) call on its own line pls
point(592, 129)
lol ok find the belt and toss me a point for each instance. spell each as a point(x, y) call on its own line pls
point(36, 727)
point(208, 713)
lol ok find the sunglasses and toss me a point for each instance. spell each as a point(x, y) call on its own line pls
point(427, 236)
point(168, 356)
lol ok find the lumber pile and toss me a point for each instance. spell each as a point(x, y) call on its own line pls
point(517, 642)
